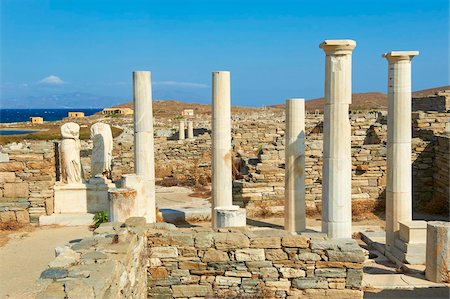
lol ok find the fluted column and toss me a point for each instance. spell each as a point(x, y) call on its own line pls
point(294, 203)
point(181, 135)
point(399, 176)
point(144, 145)
point(337, 158)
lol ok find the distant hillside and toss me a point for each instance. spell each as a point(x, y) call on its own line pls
point(360, 101)
point(171, 108)
point(368, 100)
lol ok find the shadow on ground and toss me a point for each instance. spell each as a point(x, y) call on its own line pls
point(428, 293)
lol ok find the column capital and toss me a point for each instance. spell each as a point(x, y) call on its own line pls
point(338, 46)
point(394, 56)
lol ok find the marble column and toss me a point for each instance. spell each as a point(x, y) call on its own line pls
point(181, 135)
point(223, 211)
point(190, 125)
point(337, 155)
point(144, 145)
point(294, 203)
point(399, 176)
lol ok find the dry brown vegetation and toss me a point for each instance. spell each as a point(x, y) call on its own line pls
point(50, 133)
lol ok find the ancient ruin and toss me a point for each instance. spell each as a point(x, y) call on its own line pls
point(284, 163)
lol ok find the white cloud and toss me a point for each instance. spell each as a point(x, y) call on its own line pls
point(52, 79)
point(181, 84)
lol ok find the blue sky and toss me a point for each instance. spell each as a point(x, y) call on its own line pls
point(270, 47)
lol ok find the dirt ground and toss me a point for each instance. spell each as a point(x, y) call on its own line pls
point(25, 254)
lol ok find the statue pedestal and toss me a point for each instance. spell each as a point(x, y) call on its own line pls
point(97, 194)
point(70, 198)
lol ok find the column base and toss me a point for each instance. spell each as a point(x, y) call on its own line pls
point(337, 230)
point(231, 216)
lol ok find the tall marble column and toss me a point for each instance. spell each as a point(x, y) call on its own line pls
point(399, 176)
point(181, 135)
point(294, 203)
point(144, 145)
point(190, 125)
point(223, 211)
point(337, 155)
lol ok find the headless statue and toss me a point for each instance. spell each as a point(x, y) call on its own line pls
point(101, 160)
point(70, 154)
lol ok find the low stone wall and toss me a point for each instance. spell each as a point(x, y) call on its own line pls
point(439, 102)
point(110, 264)
point(252, 263)
point(27, 169)
point(27, 176)
point(441, 196)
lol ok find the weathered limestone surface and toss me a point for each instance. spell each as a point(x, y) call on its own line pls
point(101, 159)
point(294, 211)
point(110, 264)
point(221, 184)
point(144, 146)
point(70, 154)
point(399, 172)
point(438, 251)
point(337, 157)
point(243, 263)
point(260, 140)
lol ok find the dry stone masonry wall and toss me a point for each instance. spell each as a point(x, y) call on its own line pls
point(110, 264)
point(27, 169)
point(252, 263)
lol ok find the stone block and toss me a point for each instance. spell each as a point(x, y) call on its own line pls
point(413, 231)
point(213, 255)
point(204, 240)
point(354, 278)
point(438, 251)
point(295, 241)
point(265, 242)
point(246, 255)
point(227, 241)
point(230, 217)
point(22, 216)
point(330, 272)
point(276, 254)
point(292, 273)
point(269, 272)
point(339, 256)
point(310, 283)
point(121, 203)
point(4, 157)
point(191, 291)
point(15, 190)
point(7, 177)
point(163, 252)
point(280, 285)
point(228, 281)
point(12, 167)
point(308, 256)
point(70, 198)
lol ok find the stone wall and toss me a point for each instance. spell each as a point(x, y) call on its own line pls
point(441, 198)
point(139, 260)
point(27, 176)
point(252, 263)
point(110, 264)
point(257, 140)
point(439, 102)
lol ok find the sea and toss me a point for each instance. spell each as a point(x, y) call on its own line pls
point(23, 115)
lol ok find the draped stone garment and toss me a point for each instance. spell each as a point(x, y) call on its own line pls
point(70, 154)
point(101, 160)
